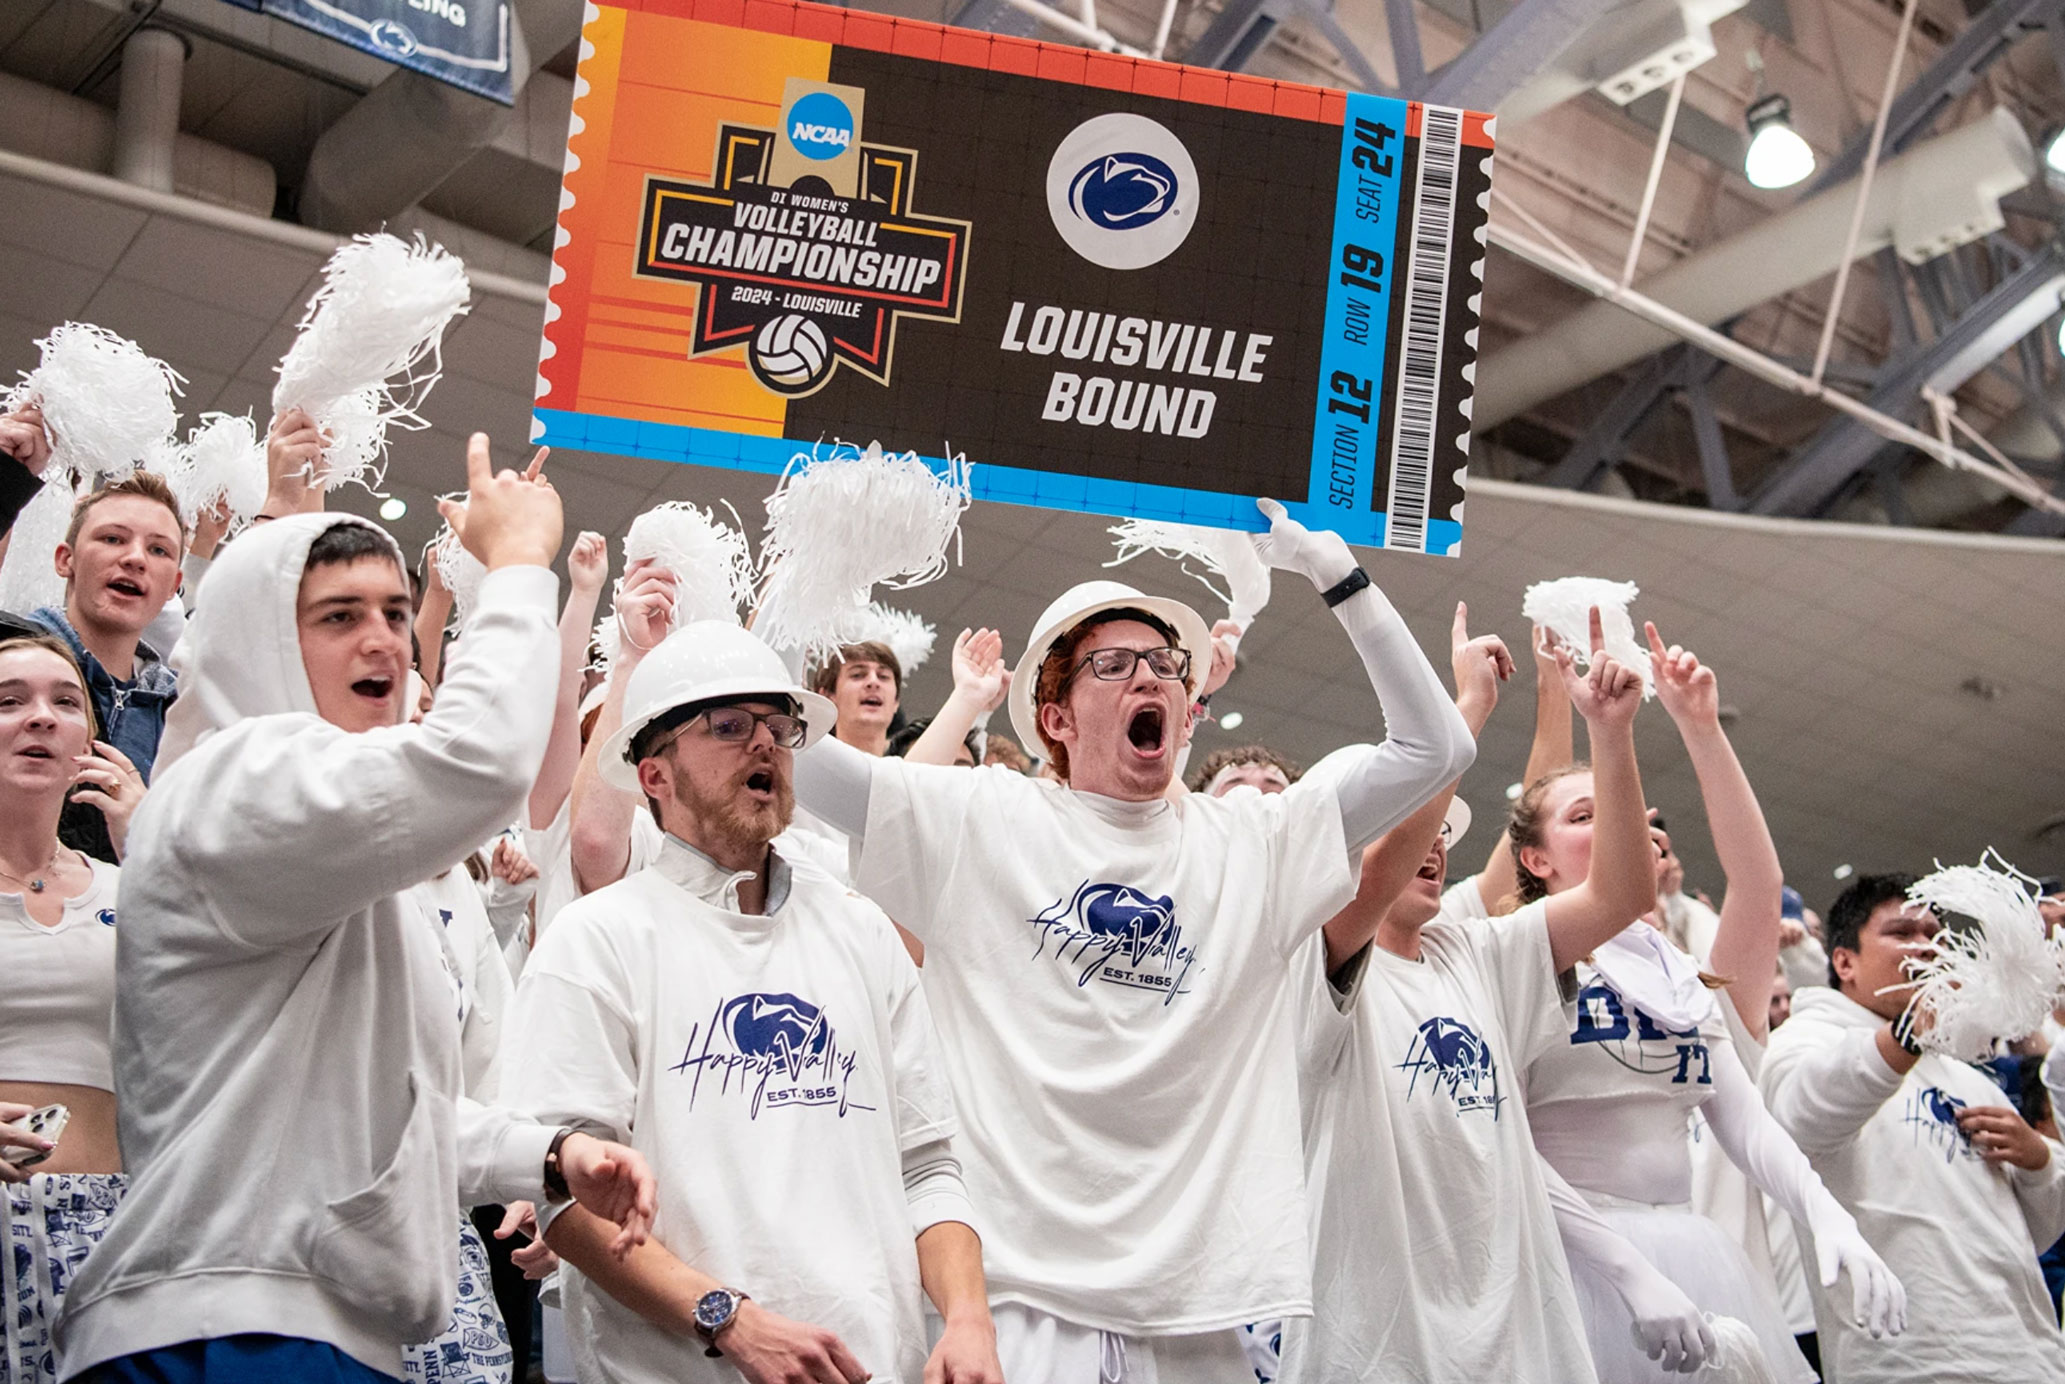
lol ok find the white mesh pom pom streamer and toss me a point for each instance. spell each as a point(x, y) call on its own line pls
point(1565, 607)
point(223, 462)
point(711, 561)
point(1739, 1356)
point(910, 637)
point(28, 579)
point(368, 352)
point(1222, 553)
point(1998, 979)
point(104, 401)
point(841, 525)
point(460, 571)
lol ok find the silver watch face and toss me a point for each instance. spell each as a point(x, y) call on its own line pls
point(714, 1308)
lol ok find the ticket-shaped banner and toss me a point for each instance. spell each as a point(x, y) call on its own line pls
point(1117, 286)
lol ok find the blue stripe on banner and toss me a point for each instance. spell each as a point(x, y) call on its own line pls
point(1011, 485)
point(1358, 317)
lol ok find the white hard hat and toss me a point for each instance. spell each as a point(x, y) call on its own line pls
point(1078, 604)
point(1455, 822)
point(702, 662)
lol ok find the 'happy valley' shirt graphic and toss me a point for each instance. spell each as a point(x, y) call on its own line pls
point(1120, 935)
point(1932, 1115)
point(773, 1049)
point(1456, 1062)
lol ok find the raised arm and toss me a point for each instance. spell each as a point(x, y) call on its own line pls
point(1746, 946)
point(587, 567)
point(293, 459)
point(433, 615)
point(1553, 748)
point(1620, 883)
point(1390, 863)
point(24, 452)
point(981, 682)
point(600, 834)
point(1758, 1145)
point(1426, 742)
point(261, 838)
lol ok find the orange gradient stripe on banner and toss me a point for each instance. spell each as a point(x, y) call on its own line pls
point(658, 87)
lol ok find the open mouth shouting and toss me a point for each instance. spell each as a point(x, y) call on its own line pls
point(1147, 731)
point(374, 689)
point(760, 784)
point(126, 587)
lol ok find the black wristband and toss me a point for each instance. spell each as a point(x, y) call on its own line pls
point(555, 1176)
point(1345, 588)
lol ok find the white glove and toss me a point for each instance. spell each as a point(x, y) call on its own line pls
point(1878, 1303)
point(1322, 558)
point(1668, 1327)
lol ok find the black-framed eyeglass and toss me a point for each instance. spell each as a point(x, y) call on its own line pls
point(734, 725)
point(1113, 665)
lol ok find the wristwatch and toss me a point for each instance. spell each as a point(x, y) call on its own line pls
point(555, 1175)
point(716, 1310)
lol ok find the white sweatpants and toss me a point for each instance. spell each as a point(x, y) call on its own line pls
point(1036, 1348)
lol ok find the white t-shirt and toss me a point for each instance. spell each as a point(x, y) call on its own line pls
point(774, 1070)
point(453, 906)
point(1110, 978)
point(57, 998)
point(1610, 1105)
point(1464, 902)
point(551, 849)
point(1435, 1252)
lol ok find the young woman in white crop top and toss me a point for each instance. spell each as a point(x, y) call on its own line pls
point(1647, 1046)
point(57, 951)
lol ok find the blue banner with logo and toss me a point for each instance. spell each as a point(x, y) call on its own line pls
point(465, 43)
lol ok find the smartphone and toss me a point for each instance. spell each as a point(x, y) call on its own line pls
point(50, 1123)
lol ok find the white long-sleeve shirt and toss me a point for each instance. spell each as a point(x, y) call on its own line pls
point(286, 1054)
point(1961, 1234)
point(781, 1074)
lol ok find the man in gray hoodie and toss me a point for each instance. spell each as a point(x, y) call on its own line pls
point(287, 1058)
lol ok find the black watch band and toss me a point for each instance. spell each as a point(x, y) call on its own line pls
point(1345, 588)
point(555, 1176)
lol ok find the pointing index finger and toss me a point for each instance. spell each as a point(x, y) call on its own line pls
point(480, 468)
point(1459, 632)
point(1598, 631)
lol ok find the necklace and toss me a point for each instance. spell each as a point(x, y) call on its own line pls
point(36, 885)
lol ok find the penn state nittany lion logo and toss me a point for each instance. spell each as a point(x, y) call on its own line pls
point(1458, 1064)
point(1932, 1114)
point(775, 1048)
point(1121, 190)
point(1118, 934)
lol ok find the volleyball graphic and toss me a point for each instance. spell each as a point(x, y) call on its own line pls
point(790, 353)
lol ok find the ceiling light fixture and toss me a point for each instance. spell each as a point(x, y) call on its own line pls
point(1513, 792)
point(2054, 151)
point(1231, 720)
point(393, 507)
point(1777, 156)
point(1845, 871)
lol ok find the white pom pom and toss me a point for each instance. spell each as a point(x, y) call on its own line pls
point(368, 352)
point(1998, 979)
point(910, 637)
point(460, 571)
point(711, 561)
point(223, 462)
point(1565, 607)
point(105, 402)
point(1222, 553)
point(28, 579)
point(1739, 1356)
point(839, 526)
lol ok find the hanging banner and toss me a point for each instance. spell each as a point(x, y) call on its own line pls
point(1117, 286)
point(464, 43)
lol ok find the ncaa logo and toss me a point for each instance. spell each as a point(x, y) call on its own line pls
point(820, 126)
point(1122, 191)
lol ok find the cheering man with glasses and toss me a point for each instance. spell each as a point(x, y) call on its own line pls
point(757, 1031)
point(1109, 966)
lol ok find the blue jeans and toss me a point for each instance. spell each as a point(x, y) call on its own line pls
point(248, 1359)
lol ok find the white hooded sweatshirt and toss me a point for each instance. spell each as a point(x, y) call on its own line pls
point(286, 1050)
point(1961, 1233)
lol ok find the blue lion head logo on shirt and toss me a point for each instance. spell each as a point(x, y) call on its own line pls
point(1457, 1060)
point(1119, 910)
point(1941, 1105)
point(1932, 1114)
point(1118, 933)
point(780, 1026)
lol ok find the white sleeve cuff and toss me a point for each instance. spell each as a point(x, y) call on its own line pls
point(518, 1170)
point(518, 587)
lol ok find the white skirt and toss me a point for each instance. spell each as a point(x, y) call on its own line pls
point(1697, 1255)
point(47, 1225)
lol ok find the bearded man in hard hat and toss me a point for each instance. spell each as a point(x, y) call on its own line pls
point(756, 1030)
point(1109, 967)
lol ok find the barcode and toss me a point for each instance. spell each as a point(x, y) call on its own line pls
point(1426, 307)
